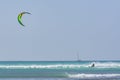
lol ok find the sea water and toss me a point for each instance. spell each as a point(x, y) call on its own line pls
point(59, 70)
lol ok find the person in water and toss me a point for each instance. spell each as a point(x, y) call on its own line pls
point(93, 65)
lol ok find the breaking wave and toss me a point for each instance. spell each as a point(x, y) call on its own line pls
point(93, 76)
point(61, 66)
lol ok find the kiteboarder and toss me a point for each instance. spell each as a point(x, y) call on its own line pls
point(93, 65)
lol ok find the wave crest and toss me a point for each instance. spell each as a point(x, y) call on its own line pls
point(86, 76)
point(98, 65)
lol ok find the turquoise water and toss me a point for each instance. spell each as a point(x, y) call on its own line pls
point(59, 70)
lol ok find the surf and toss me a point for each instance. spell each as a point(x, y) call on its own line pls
point(76, 65)
point(93, 76)
point(64, 69)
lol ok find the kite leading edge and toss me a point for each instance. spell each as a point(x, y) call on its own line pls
point(20, 17)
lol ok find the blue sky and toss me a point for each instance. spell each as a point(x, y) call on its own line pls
point(59, 29)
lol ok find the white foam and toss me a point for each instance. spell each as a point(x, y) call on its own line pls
point(58, 66)
point(64, 66)
point(86, 76)
point(107, 65)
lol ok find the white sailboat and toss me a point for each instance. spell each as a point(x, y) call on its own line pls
point(78, 58)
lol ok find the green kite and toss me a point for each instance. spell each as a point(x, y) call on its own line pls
point(20, 16)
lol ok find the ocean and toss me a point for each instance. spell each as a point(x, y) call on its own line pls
point(59, 70)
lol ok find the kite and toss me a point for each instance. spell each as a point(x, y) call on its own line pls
point(20, 17)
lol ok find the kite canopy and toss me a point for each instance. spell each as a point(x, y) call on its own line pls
point(20, 17)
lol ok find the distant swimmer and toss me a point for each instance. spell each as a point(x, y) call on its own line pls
point(93, 65)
